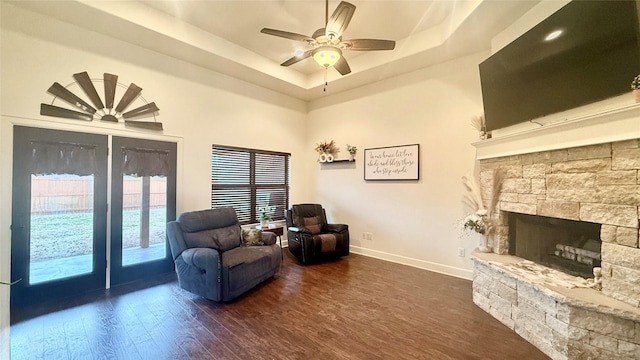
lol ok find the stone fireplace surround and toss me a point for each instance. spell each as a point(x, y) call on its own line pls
point(598, 183)
point(594, 183)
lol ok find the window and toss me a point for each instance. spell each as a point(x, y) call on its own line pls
point(247, 179)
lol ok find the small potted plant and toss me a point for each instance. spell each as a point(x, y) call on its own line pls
point(352, 152)
point(264, 215)
point(635, 87)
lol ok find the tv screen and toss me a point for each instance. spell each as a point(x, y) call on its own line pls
point(594, 56)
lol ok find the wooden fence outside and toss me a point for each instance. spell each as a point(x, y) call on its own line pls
point(56, 195)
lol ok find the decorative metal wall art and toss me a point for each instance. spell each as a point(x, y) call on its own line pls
point(82, 110)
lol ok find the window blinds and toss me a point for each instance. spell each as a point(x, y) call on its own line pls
point(246, 179)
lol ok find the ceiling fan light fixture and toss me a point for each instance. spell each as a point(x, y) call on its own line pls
point(327, 55)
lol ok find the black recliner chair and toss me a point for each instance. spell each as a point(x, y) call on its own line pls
point(309, 236)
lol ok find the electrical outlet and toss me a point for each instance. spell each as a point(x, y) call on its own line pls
point(369, 236)
point(461, 252)
point(364, 236)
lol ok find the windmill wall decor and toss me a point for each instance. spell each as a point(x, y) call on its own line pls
point(82, 110)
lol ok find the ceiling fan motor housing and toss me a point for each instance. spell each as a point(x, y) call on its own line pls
point(321, 38)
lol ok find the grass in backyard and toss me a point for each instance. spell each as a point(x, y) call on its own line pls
point(62, 235)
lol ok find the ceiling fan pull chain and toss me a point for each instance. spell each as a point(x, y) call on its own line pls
point(325, 80)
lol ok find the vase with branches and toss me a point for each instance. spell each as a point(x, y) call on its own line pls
point(326, 151)
point(481, 220)
point(327, 147)
point(478, 123)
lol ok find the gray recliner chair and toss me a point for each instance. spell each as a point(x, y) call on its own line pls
point(210, 258)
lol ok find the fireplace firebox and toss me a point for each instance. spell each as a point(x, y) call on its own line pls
point(565, 245)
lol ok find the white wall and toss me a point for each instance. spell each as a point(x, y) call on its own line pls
point(197, 108)
point(413, 222)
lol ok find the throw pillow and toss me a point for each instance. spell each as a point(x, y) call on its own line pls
point(313, 224)
point(252, 237)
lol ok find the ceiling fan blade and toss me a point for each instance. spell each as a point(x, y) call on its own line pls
point(51, 110)
point(140, 111)
point(85, 83)
point(287, 35)
point(110, 83)
point(339, 20)
point(342, 66)
point(368, 44)
point(63, 93)
point(297, 58)
point(131, 94)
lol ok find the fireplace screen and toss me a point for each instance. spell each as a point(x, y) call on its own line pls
point(565, 245)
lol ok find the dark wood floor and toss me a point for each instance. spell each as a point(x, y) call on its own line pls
point(352, 308)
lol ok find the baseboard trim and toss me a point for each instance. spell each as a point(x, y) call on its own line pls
point(417, 263)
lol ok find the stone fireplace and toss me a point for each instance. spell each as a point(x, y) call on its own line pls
point(596, 186)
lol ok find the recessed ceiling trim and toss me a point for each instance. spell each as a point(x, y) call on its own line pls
point(162, 24)
point(468, 27)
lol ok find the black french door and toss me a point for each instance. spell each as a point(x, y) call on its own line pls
point(59, 213)
point(143, 198)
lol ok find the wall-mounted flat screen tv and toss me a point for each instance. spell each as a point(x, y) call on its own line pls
point(585, 52)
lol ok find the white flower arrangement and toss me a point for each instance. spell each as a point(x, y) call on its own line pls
point(264, 212)
point(477, 222)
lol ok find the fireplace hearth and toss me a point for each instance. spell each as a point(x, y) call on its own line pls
point(569, 246)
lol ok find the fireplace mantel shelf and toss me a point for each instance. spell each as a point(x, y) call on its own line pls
point(579, 297)
point(618, 124)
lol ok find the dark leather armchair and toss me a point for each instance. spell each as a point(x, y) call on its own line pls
point(309, 236)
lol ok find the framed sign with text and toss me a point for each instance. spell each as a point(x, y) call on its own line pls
point(392, 163)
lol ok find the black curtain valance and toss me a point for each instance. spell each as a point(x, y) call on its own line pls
point(62, 158)
point(145, 162)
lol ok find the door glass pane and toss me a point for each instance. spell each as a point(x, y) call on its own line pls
point(61, 242)
point(144, 215)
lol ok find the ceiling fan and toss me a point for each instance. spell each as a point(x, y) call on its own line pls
point(327, 42)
